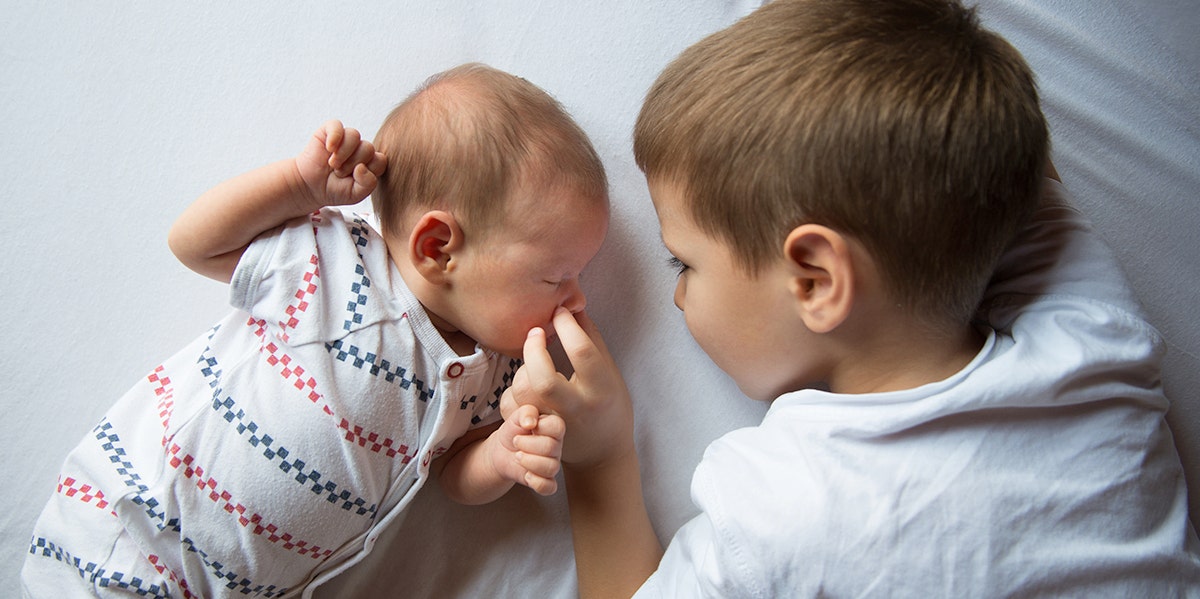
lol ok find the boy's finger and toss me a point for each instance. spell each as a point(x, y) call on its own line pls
point(583, 352)
point(552, 425)
point(538, 363)
point(593, 333)
point(507, 403)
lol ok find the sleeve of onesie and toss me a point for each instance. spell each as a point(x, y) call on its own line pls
point(255, 276)
point(284, 276)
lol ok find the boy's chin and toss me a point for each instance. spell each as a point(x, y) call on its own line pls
point(758, 392)
point(758, 395)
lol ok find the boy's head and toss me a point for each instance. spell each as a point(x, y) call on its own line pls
point(498, 200)
point(902, 125)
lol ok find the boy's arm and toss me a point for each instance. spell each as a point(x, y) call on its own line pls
point(483, 465)
point(336, 168)
point(616, 548)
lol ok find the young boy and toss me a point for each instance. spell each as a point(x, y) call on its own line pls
point(838, 181)
point(272, 451)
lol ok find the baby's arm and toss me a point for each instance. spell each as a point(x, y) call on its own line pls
point(337, 167)
point(525, 449)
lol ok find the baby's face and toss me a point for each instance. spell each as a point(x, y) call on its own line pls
point(515, 279)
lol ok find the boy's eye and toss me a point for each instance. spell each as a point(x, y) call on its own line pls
point(677, 265)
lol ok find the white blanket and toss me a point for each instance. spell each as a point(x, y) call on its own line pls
point(116, 116)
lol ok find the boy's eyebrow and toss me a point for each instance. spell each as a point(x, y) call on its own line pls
point(662, 237)
point(663, 240)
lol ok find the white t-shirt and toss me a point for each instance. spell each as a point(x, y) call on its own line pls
point(1044, 468)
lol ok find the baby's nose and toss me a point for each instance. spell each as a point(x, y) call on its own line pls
point(576, 301)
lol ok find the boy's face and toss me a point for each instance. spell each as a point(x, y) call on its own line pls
point(517, 277)
point(746, 324)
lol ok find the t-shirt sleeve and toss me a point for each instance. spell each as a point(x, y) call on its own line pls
point(689, 567)
point(720, 552)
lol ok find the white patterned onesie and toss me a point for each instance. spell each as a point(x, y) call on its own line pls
point(271, 451)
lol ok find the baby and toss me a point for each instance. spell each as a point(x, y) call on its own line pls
point(360, 360)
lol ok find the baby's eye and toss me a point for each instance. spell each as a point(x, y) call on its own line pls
point(677, 265)
point(564, 280)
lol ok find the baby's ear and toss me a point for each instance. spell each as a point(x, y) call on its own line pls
point(821, 270)
point(433, 243)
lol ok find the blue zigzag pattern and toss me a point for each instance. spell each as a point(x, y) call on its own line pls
point(278, 454)
point(377, 366)
point(94, 574)
point(498, 392)
point(358, 289)
point(110, 442)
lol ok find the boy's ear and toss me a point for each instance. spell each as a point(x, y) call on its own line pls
point(433, 243)
point(821, 276)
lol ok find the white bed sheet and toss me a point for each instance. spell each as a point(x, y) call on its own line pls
point(117, 115)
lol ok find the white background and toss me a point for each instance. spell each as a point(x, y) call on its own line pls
point(114, 116)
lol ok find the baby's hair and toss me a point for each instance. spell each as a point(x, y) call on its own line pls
point(903, 124)
point(470, 136)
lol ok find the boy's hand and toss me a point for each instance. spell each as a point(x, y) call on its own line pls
point(338, 167)
point(527, 449)
point(594, 403)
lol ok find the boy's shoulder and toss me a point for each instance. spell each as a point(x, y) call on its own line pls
point(1058, 253)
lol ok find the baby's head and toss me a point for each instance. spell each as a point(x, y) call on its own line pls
point(903, 125)
point(493, 199)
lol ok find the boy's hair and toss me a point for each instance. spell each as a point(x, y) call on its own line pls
point(469, 137)
point(902, 124)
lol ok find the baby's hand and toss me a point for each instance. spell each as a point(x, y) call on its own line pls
point(527, 449)
point(338, 167)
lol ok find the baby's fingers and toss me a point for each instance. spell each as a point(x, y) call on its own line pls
point(538, 445)
point(331, 134)
point(341, 157)
point(364, 182)
point(540, 473)
point(377, 164)
point(540, 485)
point(525, 417)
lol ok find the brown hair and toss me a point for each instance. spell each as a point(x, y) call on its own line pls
point(903, 124)
point(470, 136)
